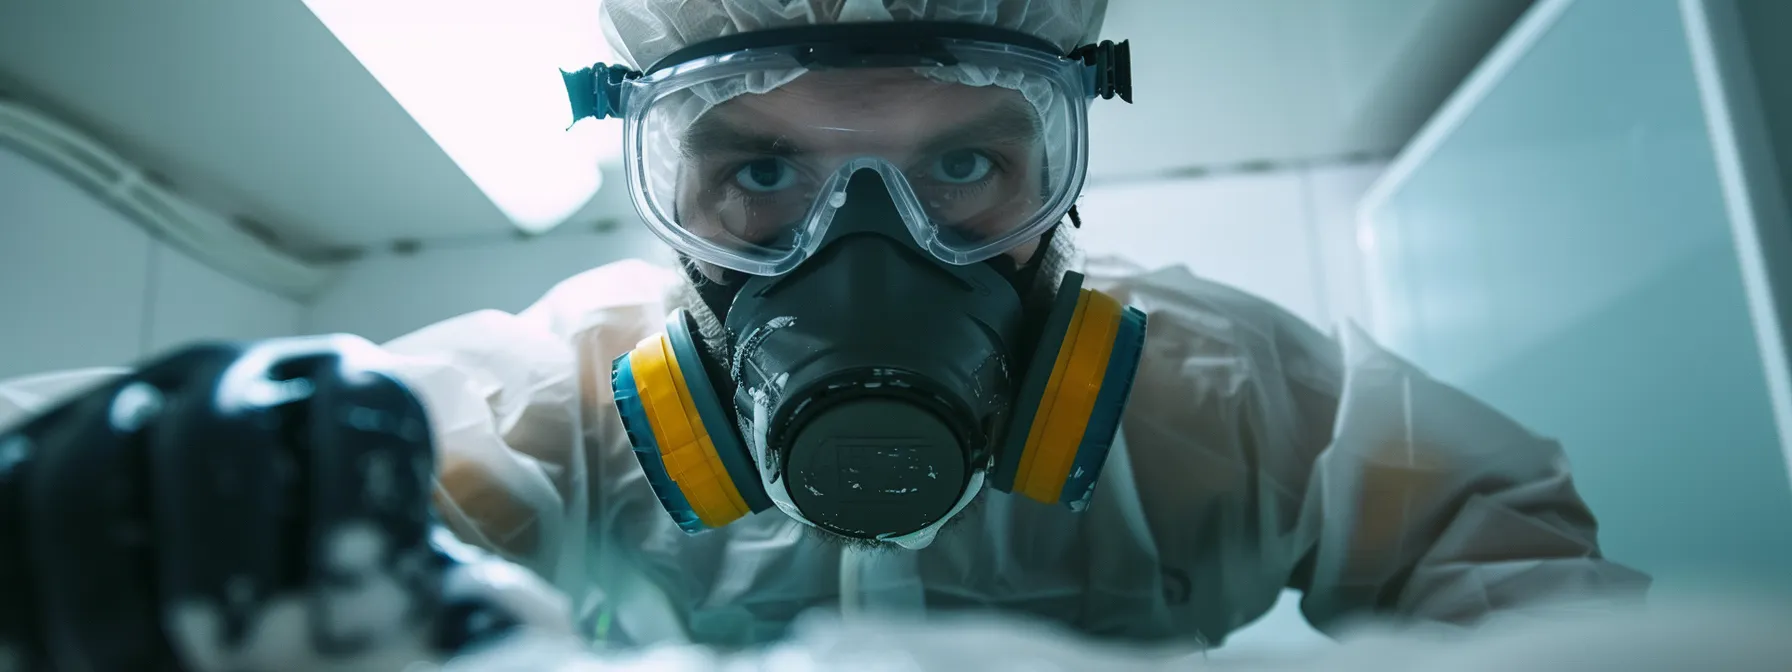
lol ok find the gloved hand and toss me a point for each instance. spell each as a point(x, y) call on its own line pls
point(241, 507)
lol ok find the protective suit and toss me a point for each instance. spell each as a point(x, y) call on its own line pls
point(1253, 454)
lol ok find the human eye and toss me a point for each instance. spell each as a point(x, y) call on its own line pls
point(960, 167)
point(766, 175)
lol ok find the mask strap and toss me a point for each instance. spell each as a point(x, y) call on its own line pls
point(717, 295)
point(1027, 278)
point(1026, 282)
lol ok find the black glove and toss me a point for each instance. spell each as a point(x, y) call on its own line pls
point(225, 504)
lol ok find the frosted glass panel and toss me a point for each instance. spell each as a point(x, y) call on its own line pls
point(1565, 254)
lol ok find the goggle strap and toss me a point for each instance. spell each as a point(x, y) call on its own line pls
point(1107, 69)
point(596, 92)
point(800, 39)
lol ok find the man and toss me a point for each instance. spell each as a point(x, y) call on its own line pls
point(887, 383)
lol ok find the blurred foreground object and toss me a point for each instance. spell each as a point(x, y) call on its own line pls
point(266, 507)
point(240, 507)
point(1718, 634)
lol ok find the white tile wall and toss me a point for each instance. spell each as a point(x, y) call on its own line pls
point(82, 286)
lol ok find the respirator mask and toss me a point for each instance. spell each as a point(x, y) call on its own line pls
point(861, 184)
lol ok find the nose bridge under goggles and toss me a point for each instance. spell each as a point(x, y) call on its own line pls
point(835, 194)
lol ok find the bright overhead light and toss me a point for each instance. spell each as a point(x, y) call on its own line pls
point(481, 77)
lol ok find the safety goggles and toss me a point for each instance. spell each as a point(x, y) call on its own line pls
point(739, 150)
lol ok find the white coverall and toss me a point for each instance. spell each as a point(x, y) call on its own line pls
point(1255, 454)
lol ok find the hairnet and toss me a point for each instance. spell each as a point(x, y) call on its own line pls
point(644, 31)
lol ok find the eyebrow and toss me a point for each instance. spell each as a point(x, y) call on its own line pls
point(1010, 123)
point(711, 134)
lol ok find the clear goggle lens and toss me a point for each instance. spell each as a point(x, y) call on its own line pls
point(742, 163)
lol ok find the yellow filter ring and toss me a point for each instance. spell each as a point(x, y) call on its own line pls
point(1069, 399)
point(1030, 453)
point(686, 448)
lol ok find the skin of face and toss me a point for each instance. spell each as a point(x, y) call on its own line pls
point(752, 166)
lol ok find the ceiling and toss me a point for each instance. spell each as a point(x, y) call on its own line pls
point(252, 108)
point(1226, 82)
point(255, 109)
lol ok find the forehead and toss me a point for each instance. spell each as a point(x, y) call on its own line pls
point(895, 105)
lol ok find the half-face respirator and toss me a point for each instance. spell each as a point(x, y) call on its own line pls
point(877, 388)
